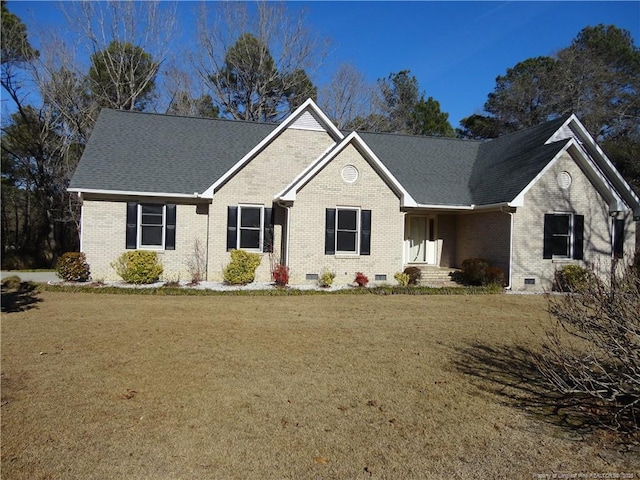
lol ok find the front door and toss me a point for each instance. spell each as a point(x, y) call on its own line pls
point(421, 240)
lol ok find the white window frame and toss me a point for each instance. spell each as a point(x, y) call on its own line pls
point(569, 235)
point(141, 246)
point(239, 227)
point(357, 231)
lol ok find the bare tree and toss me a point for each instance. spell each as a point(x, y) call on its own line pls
point(127, 43)
point(257, 58)
point(593, 354)
point(347, 96)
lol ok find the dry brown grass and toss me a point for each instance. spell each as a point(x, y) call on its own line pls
point(128, 386)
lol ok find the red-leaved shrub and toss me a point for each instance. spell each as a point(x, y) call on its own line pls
point(280, 275)
point(361, 279)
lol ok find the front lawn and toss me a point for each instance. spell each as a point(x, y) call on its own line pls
point(318, 386)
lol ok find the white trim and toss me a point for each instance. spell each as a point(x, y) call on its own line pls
point(139, 244)
point(358, 232)
point(445, 207)
point(285, 194)
point(260, 248)
point(135, 193)
point(591, 149)
point(570, 234)
point(81, 225)
point(597, 177)
point(309, 104)
point(290, 191)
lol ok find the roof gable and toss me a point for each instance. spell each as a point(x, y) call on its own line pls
point(307, 117)
point(354, 139)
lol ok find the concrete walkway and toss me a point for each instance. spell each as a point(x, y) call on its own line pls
point(39, 277)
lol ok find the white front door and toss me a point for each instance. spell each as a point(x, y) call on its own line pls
point(421, 241)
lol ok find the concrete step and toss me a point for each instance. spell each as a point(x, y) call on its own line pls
point(432, 276)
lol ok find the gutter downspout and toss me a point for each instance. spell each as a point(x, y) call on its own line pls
point(508, 287)
point(287, 226)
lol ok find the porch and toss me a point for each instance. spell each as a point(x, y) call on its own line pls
point(434, 276)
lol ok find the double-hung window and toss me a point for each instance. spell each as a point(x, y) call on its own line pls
point(563, 236)
point(347, 231)
point(151, 226)
point(250, 227)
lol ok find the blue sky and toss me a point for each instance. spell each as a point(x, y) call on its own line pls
point(455, 49)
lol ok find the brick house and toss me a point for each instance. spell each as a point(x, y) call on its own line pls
point(312, 197)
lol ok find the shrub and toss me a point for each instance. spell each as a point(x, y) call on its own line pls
point(73, 267)
point(414, 275)
point(592, 356)
point(11, 283)
point(242, 268)
point(402, 278)
point(570, 278)
point(495, 276)
point(280, 275)
point(474, 271)
point(361, 279)
point(138, 267)
point(326, 278)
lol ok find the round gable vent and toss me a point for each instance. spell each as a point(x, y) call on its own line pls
point(349, 173)
point(564, 180)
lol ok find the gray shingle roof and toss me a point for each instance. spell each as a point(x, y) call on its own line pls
point(435, 171)
point(139, 152)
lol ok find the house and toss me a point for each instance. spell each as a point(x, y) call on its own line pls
point(307, 195)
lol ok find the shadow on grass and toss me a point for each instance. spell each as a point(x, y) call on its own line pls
point(511, 373)
point(19, 297)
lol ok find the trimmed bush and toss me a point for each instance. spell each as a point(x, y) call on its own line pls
point(479, 272)
point(73, 267)
point(414, 275)
point(402, 278)
point(571, 278)
point(138, 267)
point(326, 278)
point(495, 276)
point(474, 271)
point(242, 268)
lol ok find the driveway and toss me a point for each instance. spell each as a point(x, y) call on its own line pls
point(39, 277)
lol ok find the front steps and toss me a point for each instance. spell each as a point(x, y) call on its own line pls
point(433, 276)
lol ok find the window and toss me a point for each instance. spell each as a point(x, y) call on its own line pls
point(250, 227)
point(347, 231)
point(563, 236)
point(151, 226)
point(618, 238)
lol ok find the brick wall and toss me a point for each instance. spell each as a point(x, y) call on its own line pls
point(446, 234)
point(580, 198)
point(485, 235)
point(104, 230)
point(257, 183)
point(328, 190)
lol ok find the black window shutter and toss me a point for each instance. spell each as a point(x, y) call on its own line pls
point(132, 225)
point(578, 237)
point(547, 251)
point(330, 232)
point(365, 232)
point(267, 238)
point(170, 233)
point(618, 238)
point(232, 227)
